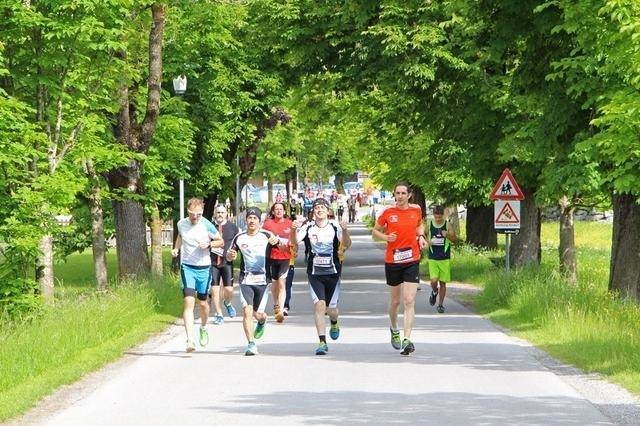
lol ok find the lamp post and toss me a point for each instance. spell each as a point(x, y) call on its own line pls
point(237, 188)
point(180, 88)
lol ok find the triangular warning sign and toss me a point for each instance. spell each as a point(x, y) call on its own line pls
point(507, 215)
point(506, 188)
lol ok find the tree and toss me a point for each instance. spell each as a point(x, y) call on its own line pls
point(136, 134)
point(603, 68)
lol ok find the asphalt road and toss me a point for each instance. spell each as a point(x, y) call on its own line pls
point(464, 371)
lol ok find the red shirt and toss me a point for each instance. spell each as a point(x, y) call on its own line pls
point(283, 230)
point(404, 222)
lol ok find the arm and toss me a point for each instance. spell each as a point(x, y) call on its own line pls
point(379, 232)
point(217, 241)
point(293, 237)
point(232, 252)
point(346, 238)
point(176, 246)
point(422, 239)
point(450, 234)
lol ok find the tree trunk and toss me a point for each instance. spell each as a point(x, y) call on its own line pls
point(269, 193)
point(156, 242)
point(567, 247)
point(624, 273)
point(175, 261)
point(451, 213)
point(419, 199)
point(479, 227)
point(525, 248)
point(131, 238)
point(44, 268)
point(99, 245)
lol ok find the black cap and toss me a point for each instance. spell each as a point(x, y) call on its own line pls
point(254, 211)
point(321, 202)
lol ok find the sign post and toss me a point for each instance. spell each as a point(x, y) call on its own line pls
point(506, 210)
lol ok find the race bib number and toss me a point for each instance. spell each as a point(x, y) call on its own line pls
point(217, 250)
point(402, 255)
point(322, 261)
point(255, 279)
point(437, 241)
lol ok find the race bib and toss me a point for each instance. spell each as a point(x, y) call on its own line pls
point(217, 250)
point(437, 241)
point(255, 279)
point(322, 261)
point(403, 254)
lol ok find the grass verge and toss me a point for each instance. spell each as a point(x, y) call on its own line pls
point(81, 333)
point(581, 324)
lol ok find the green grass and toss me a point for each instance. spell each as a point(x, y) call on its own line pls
point(581, 324)
point(82, 332)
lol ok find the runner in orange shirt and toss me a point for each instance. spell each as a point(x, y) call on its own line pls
point(402, 228)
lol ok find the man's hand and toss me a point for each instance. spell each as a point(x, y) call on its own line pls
point(174, 252)
point(232, 254)
point(274, 240)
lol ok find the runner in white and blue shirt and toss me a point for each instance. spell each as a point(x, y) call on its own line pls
point(324, 237)
point(196, 237)
point(254, 245)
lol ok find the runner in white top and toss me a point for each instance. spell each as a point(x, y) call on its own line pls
point(254, 246)
point(196, 236)
point(325, 238)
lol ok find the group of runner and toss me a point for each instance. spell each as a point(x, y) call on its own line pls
point(267, 255)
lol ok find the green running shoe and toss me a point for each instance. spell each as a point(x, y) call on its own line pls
point(204, 336)
point(407, 347)
point(322, 349)
point(259, 331)
point(395, 339)
point(334, 331)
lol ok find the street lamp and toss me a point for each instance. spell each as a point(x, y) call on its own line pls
point(179, 88)
point(180, 85)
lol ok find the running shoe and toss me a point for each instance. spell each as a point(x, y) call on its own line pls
point(251, 350)
point(190, 346)
point(322, 349)
point(277, 313)
point(204, 337)
point(231, 311)
point(395, 339)
point(334, 331)
point(432, 297)
point(218, 319)
point(440, 309)
point(407, 347)
point(285, 312)
point(259, 331)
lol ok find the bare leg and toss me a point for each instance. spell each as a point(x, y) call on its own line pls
point(247, 322)
point(227, 293)
point(394, 303)
point(204, 312)
point(187, 316)
point(442, 293)
point(409, 299)
point(318, 315)
point(215, 297)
